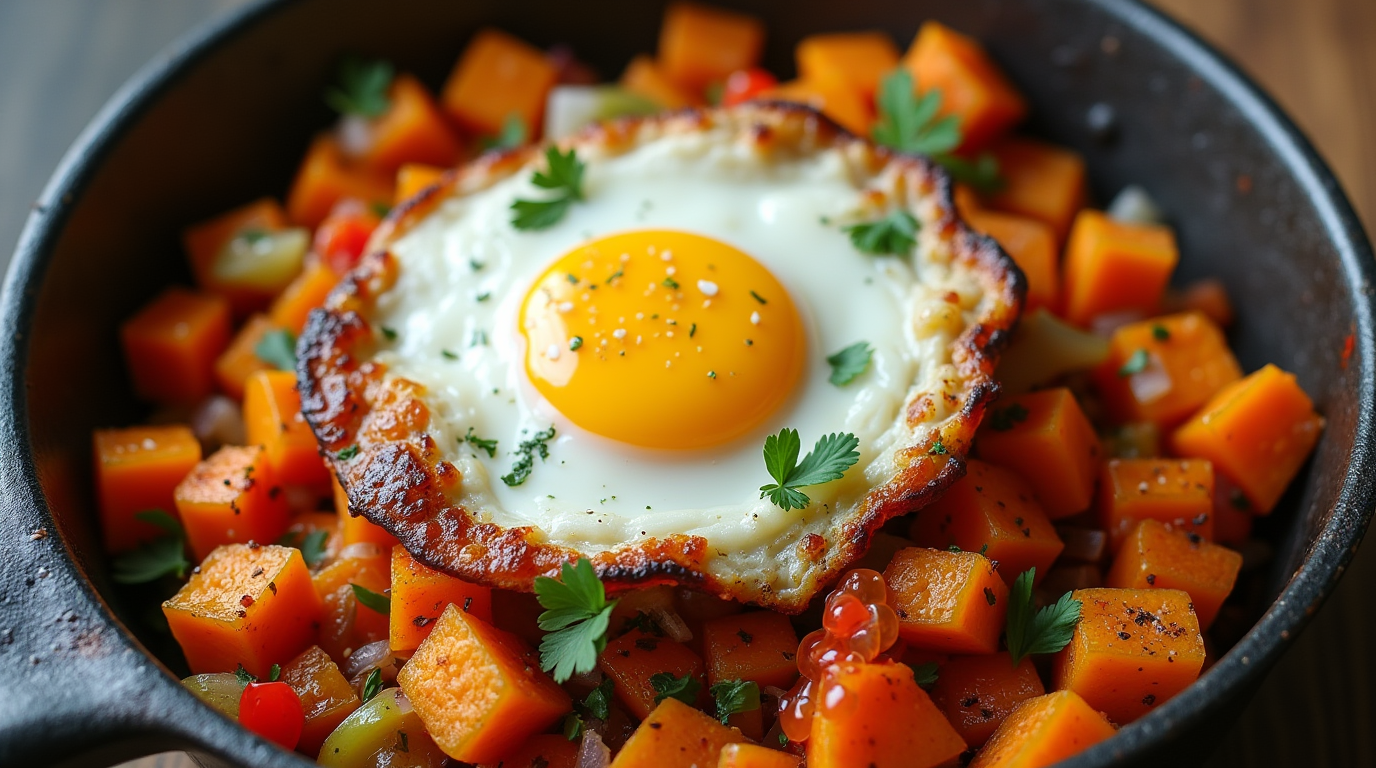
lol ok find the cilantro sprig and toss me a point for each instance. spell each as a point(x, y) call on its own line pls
point(667, 686)
point(829, 460)
point(576, 616)
point(525, 457)
point(732, 696)
point(565, 177)
point(850, 362)
point(277, 349)
point(159, 557)
point(909, 123)
point(362, 87)
point(1031, 631)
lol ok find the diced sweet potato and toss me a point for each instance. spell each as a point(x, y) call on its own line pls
point(348, 624)
point(357, 529)
point(1044, 731)
point(700, 45)
point(1132, 650)
point(853, 60)
point(644, 77)
point(171, 344)
point(1045, 438)
point(240, 360)
point(1257, 432)
point(498, 76)
point(953, 602)
point(884, 720)
point(754, 756)
point(543, 750)
point(1162, 370)
point(1113, 266)
point(972, 87)
point(325, 177)
point(326, 697)
point(757, 646)
point(412, 178)
point(675, 735)
point(205, 241)
point(412, 130)
point(1154, 555)
point(1032, 244)
point(632, 659)
point(420, 595)
point(1179, 492)
point(1041, 181)
point(840, 104)
point(479, 690)
point(976, 693)
point(993, 512)
point(231, 497)
point(250, 605)
point(272, 416)
point(306, 292)
point(138, 469)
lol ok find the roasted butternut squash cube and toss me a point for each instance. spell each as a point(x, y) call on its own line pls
point(1164, 369)
point(759, 647)
point(1132, 650)
point(413, 178)
point(138, 469)
point(420, 594)
point(1044, 731)
point(231, 498)
point(348, 624)
point(1032, 245)
point(857, 61)
point(327, 176)
point(240, 360)
point(635, 657)
point(994, 512)
point(272, 416)
point(746, 755)
point(838, 103)
point(306, 292)
point(889, 723)
point(326, 697)
point(1157, 556)
point(357, 529)
point(700, 45)
point(171, 344)
point(543, 750)
point(1048, 440)
point(496, 77)
point(204, 243)
point(1113, 266)
point(952, 602)
point(1040, 181)
point(249, 605)
point(644, 77)
point(479, 690)
point(412, 130)
point(976, 693)
point(1179, 492)
point(675, 735)
point(1257, 432)
point(972, 86)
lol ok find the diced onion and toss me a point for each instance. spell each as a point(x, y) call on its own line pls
point(1133, 205)
point(1045, 348)
point(675, 628)
point(218, 421)
point(592, 753)
point(571, 107)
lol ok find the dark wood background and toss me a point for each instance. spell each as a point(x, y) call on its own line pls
point(61, 59)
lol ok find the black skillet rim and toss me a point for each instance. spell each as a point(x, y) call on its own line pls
point(199, 728)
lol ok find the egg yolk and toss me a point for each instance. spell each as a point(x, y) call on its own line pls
point(662, 339)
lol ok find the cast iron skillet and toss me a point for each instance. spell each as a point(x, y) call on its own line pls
point(224, 116)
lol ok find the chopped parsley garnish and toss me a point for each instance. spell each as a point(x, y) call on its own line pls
point(925, 674)
point(448, 354)
point(274, 673)
point(312, 545)
point(982, 173)
point(692, 330)
point(758, 297)
point(829, 460)
point(670, 283)
point(155, 558)
point(244, 676)
point(850, 362)
point(362, 87)
point(1160, 333)
point(565, 177)
point(643, 622)
point(1047, 630)
point(893, 235)
point(486, 445)
point(277, 349)
point(599, 700)
point(666, 686)
point(347, 453)
point(372, 600)
point(614, 275)
point(525, 457)
point(484, 296)
point(575, 343)
point(909, 123)
point(573, 726)
point(1136, 363)
point(1004, 419)
point(479, 338)
point(387, 333)
point(576, 616)
point(372, 685)
point(938, 448)
point(734, 696)
point(783, 739)
point(514, 134)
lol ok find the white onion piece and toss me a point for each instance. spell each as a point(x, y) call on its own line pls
point(366, 657)
point(1133, 205)
point(218, 421)
point(592, 753)
point(360, 549)
point(355, 135)
point(1045, 348)
point(675, 628)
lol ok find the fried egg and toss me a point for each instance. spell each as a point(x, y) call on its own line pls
point(603, 387)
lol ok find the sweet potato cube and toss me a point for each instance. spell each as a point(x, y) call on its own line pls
point(891, 723)
point(1044, 731)
point(976, 693)
point(1257, 432)
point(840, 104)
point(857, 61)
point(632, 659)
point(953, 602)
point(1156, 555)
point(348, 624)
point(272, 416)
point(1132, 650)
point(306, 292)
point(1046, 438)
point(700, 45)
point(138, 469)
point(1164, 369)
point(1113, 266)
point(171, 344)
point(250, 605)
point(644, 77)
point(744, 755)
point(1033, 246)
point(757, 646)
point(676, 735)
point(498, 76)
point(1178, 492)
point(1040, 181)
point(972, 86)
point(357, 529)
point(326, 696)
point(479, 690)
point(240, 360)
point(543, 750)
point(991, 511)
point(327, 176)
point(205, 241)
point(231, 497)
point(412, 130)
point(412, 178)
point(420, 594)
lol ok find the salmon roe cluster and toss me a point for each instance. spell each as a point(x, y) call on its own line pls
point(858, 626)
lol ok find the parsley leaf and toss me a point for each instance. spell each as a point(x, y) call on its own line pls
point(362, 88)
point(666, 686)
point(908, 123)
point(514, 134)
point(372, 600)
point(829, 460)
point(1160, 333)
point(348, 453)
point(274, 673)
point(850, 362)
point(893, 235)
point(1136, 363)
point(244, 676)
point(599, 701)
point(573, 726)
point(487, 445)
point(313, 546)
point(372, 685)
point(278, 349)
point(156, 558)
point(576, 616)
point(1047, 630)
point(734, 696)
point(1005, 419)
point(525, 457)
point(925, 674)
point(565, 176)
point(982, 173)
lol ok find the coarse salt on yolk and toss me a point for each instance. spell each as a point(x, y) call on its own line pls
point(662, 339)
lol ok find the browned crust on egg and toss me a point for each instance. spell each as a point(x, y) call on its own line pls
point(399, 480)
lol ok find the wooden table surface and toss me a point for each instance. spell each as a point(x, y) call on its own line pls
point(60, 60)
